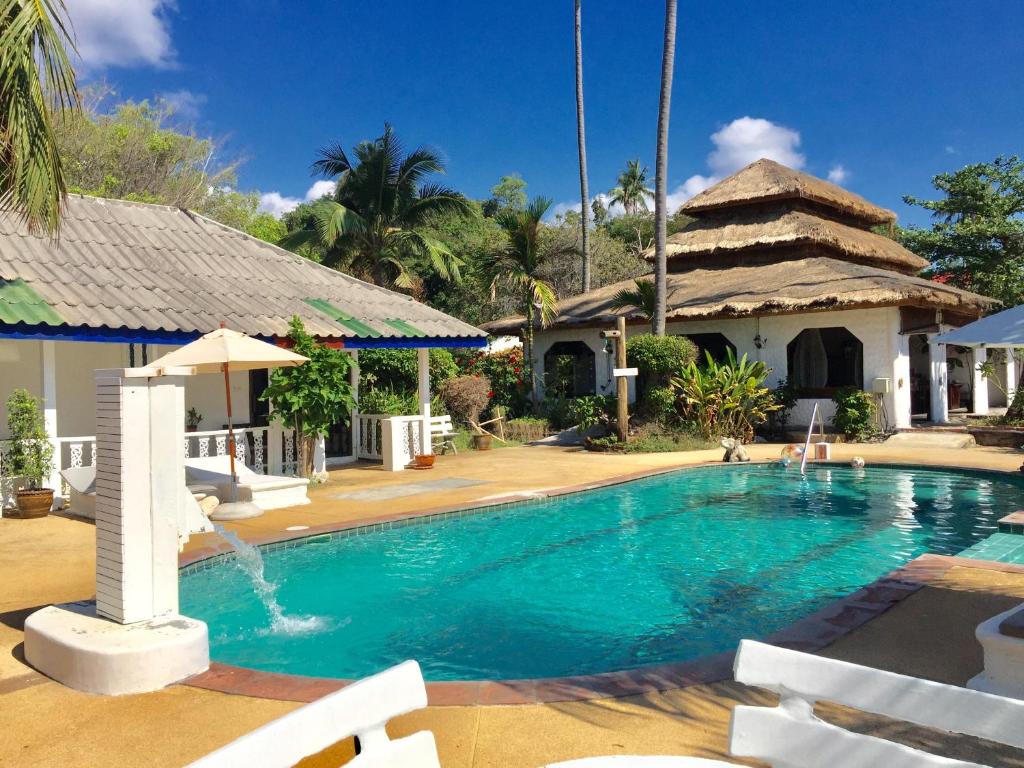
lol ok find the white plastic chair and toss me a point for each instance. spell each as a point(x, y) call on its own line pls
point(361, 710)
point(790, 736)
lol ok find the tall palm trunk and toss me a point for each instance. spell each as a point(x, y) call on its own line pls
point(528, 353)
point(661, 173)
point(581, 138)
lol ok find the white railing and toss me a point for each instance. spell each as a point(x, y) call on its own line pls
point(393, 440)
point(266, 450)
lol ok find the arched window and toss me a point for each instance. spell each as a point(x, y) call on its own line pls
point(821, 360)
point(715, 344)
point(569, 369)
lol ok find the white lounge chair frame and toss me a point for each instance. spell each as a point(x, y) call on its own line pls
point(790, 736)
point(266, 491)
point(361, 710)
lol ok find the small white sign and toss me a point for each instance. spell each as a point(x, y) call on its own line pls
point(624, 371)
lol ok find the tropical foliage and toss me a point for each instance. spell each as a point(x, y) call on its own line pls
point(658, 358)
point(36, 80)
point(977, 240)
point(375, 224)
point(505, 372)
point(724, 399)
point(632, 192)
point(398, 369)
point(314, 396)
point(640, 297)
point(855, 413)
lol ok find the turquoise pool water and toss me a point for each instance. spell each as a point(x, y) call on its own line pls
point(663, 569)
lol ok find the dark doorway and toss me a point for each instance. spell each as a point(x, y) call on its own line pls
point(822, 360)
point(569, 369)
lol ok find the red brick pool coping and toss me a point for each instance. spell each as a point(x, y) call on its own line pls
point(811, 634)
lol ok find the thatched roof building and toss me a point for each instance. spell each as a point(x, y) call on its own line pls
point(770, 240)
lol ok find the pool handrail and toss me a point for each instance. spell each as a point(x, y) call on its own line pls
point(815, 414)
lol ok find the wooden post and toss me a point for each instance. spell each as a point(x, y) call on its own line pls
point(621, 382)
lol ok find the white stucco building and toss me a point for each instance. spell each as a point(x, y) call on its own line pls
point(790, 270)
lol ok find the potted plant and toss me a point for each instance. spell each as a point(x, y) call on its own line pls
point(193, 419)
point(30, 457)
point(423, 460)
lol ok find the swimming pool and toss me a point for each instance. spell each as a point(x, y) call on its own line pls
point(666, 568)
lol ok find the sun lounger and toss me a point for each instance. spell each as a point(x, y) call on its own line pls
point(361, 710)
point(791, 736)
point(265, 491)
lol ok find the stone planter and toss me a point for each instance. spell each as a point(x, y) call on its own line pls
point(482, 442)
point(33, 503)
point(1005, 437)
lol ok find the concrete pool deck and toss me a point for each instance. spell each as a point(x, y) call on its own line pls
point(928, 634)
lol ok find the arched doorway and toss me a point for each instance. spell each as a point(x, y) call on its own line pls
point(569, 369)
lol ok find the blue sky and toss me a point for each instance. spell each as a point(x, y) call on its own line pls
point(881, 94)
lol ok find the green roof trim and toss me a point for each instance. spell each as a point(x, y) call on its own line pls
point(405, 328)
point(356, 326)
point(19, 303)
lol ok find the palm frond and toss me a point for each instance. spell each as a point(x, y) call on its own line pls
point(332, 161)
point(641, 297)
point(36, 80)
point(334, 220)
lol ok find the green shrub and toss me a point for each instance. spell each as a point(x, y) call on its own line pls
point(724, 399)
point(387, 401)
point(526, 429)
point(855, 413)
point(557, 410)
point(591, 410)
point(31, 453)
point(398, 369)
point(506, 373)
point(659, 356)
point(660, 404)
point(786, 396)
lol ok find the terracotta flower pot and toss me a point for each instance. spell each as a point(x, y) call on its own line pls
point(34, 502)
point(482, 442)
point(425, 460)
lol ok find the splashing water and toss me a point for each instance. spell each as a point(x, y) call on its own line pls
point(250, 560)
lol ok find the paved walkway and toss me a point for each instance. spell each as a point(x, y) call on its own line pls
point(929, 634)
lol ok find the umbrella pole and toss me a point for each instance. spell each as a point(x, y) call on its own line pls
point(231, 434)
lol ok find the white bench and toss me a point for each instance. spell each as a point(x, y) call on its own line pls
point(361, 710)
point(790, 736)
point(265, 491)
point(442, 432)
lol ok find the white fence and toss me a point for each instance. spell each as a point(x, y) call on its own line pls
point(266, 450)
point(393, 440)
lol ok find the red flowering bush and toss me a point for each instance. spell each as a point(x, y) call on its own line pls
point(506, 372)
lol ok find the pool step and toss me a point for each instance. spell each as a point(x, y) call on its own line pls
point(931, 440)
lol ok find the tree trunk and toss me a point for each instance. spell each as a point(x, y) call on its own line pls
point(1015, 411)
point(661, 173)
point(582, 141)
point(528, 352)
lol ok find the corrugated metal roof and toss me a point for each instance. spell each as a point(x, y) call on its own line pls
point(126, 265)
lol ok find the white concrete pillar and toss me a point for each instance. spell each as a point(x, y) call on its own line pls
point(49, 388)
point(393, 450)
point(901, 405)
point(979, 384)
point(1011, 374)
point(423, 359)
point(275, 447)
point(140, 487)
point(939, 382)
point(353, 380)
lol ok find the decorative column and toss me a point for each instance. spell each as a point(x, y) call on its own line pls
point(50, 413)
point(353, 380)
point(423, 358)
point(901, 405)
point(979, 384)
point(1011, 374)
point(939, 381)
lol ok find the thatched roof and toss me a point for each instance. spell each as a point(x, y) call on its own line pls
point(745, 231)
point(769, 288)
point(767, 180)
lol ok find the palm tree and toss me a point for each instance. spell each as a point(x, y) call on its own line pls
point(640, 297)
point(661, 173)
point(518, 266)
point(581, 140)
point(632, 192)
point(374, 225)
point(36, 81)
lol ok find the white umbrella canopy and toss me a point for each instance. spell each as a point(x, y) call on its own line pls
point(223, 351)
point(210, 353)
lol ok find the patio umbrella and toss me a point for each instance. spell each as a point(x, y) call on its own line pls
point(223, 351)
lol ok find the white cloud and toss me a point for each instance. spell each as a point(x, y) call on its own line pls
point(277, 204)
point(838, 174)
point(951, 150)
point(185, 103)
point(122, 34)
